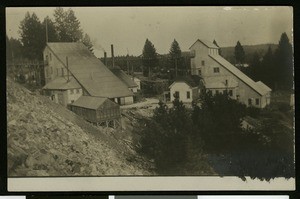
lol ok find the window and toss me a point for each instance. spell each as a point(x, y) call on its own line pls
point(216, 70)
point(203, 63)
point(249, 101)
point(226, 82)
point(188, 95)
point(230, 93)
point(237, 97)
point(77, 90)
point(176, 94)
point(217, 91)
point(71, 91)
point(199, 71)
point(72, 101)
point(257, 101)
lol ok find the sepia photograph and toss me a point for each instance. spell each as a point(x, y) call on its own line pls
point(150, 92)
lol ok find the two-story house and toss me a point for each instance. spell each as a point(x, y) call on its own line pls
point(221, 76)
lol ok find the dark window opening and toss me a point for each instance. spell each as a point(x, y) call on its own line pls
point(199, 72)
point(202, 62)
point(257, 101)
point(176, 95)
point(216, 70)
point(249, 102)
point(188, 95)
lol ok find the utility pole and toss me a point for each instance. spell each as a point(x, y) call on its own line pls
point(67, 63)
point(127, 63)
point(132, 72)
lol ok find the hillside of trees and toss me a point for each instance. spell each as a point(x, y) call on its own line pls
point(261, 49)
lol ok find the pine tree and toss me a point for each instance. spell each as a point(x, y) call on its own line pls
point(239, 53)
point(254, 70)
point(149, 58)
point(267, 65)
point(32, 36)
point(60, 23)
point(284, 63)
point(175, 58)
point(87, 42)
point(67, 25)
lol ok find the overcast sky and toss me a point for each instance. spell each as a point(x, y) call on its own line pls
point(128, 27)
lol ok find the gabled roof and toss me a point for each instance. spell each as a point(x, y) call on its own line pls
point(239, 74)
point(206, 43)
point(123, 77)
point(89, 71)
point(263, 86)
point(60, 83)
point(192, 81)
point(90, 102)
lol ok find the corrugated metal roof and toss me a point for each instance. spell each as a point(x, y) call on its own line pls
point(90, 72)
point(220, 82)
point(206, 43)
point(239, 74)
point(60, 83)
point(89, 102)
point(124, 77)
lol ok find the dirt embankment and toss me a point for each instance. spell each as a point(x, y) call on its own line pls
point(47, 141)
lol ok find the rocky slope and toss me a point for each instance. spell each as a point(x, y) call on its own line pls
point(45, 139)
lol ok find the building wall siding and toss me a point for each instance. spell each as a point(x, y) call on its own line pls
point(53, 63)
point(128, 100)
point(182, 88)
point(74, 96)
point(243, 93)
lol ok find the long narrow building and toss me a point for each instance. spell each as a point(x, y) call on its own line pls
point(72, 61)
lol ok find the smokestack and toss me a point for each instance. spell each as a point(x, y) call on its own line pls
point(105, 59)
point(67, 63)
point(112, 56)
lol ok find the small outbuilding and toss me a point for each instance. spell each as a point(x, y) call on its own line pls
point(98, 110)
point(63, 91)
point(186, 89)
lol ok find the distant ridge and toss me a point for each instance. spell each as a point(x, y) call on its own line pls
point(261, 49)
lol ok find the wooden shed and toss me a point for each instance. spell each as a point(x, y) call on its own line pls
point(100, 111)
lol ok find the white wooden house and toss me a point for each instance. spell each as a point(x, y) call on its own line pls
point(221, 76)
point(186, 89)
